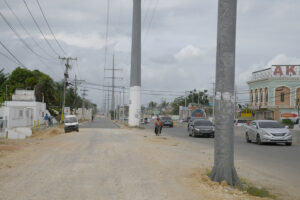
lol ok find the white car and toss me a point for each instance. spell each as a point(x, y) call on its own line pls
point(268, 131)
point(240, 122)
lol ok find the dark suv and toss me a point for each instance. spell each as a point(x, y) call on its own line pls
point(167, 121)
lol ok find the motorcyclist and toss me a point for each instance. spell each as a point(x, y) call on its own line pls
point(158, 124)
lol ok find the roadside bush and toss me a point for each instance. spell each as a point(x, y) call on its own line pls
point(288, 122)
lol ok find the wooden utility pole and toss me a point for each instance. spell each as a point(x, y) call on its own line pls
point(66, 76)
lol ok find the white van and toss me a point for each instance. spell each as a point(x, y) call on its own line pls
point(71, 123)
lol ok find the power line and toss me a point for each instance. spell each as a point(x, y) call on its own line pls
point(49, 26)
point(9, 58)
point(22, 65)
point(37, 25)
point(19, 36)
point(26, 31)
point(151, 19)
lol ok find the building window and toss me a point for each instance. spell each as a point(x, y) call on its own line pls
point(282, 96)
point(261, 95)
point(256, 96)
point(20, 114)
point(266, 95)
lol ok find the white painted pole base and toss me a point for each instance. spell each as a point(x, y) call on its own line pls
point(134, 106)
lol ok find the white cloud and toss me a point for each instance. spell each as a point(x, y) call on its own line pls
point(188, 52)
point(92, 40)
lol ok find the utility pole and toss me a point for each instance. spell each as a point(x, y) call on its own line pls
point(113, 78)
point(66, 76)
point(224, 110)
point(135, 73)
point(76, 82)
point(123, 104)
point(83, 102)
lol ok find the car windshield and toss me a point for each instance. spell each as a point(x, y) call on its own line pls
point(194, 118)
point(270, 125)
point(70, 120)
point(202, 123)
point(242, 121)
point(166, 118)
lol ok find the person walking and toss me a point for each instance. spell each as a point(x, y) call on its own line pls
point(46, 118)
point(158, 126)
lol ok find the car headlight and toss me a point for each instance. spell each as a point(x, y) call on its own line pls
point(266, 133)
point(197, 129)
point(213, 128)
point(288, 133)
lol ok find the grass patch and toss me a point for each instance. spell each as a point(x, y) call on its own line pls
point(259, 192)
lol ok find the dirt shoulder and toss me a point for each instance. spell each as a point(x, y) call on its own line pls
point(121, 163)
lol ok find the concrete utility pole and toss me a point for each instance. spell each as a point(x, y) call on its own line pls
point(66, 75)
point(83, 102)
point(224, 110)
point(135, 74)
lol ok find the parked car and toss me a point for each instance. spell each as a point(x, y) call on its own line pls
point(167, 121)
point(186, 119)
point(190, 122)
point(71, 123)
point(202, 127)
point(268, 131)
point(240, 122)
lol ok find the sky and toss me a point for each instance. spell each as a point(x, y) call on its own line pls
point(178, 42)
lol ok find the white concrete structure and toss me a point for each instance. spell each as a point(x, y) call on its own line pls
point(85, 114)
point(20, 114)
point(135, 106)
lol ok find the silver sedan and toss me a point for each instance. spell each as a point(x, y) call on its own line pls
point(268, 131)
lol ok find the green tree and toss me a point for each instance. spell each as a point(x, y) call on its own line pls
point(3, 79)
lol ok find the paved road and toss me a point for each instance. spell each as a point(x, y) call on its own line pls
point(99, 122)
point(278, 159)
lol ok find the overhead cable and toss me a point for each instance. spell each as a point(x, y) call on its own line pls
point(19, 36)
point(22, 65)
point(37, 25)
point(24, 28)
point(49, 27)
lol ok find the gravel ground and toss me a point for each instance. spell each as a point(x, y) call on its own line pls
point(110, 164)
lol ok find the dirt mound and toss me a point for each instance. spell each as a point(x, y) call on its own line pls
point(40, 134)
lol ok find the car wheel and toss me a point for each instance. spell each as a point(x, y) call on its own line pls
point(258, 140)
point(247, 138)
point(288, 144)
point(77, 130)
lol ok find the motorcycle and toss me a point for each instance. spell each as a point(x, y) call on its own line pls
point(157, 130)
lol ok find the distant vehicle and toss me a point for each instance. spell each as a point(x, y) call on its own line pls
point(71, 123)
point(190, 122)
point(240, 122)
point(202, 127)
point(268, 131)
point(167, 121)
point(186, 119)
